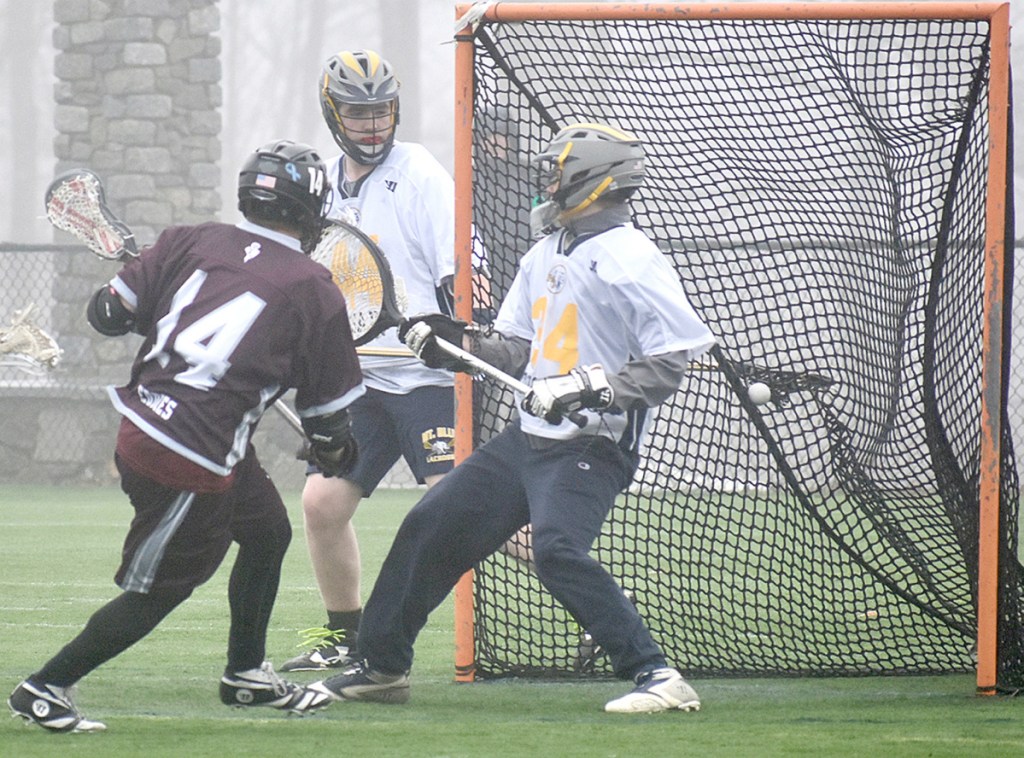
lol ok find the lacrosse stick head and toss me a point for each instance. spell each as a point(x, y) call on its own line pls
point(26, 346)
point(75, 203)
point(362, 273)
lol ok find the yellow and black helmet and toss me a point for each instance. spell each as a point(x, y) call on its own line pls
point(361, 78)
point(583, 163)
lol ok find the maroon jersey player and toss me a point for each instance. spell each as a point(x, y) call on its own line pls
point(232, 317)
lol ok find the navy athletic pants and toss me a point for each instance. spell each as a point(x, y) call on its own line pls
point(565, 491)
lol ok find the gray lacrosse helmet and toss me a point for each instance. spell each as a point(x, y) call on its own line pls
point(360, 78)
point(583, 162)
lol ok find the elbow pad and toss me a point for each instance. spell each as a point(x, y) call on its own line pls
point(107, 314)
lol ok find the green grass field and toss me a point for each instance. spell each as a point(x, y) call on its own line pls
point(60, 547)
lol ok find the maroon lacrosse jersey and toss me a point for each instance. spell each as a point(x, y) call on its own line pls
point(233, 316)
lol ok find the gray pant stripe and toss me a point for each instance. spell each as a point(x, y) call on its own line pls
point(146, 561)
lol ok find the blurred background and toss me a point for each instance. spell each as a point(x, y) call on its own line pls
point(271, 56)
point(272, 52)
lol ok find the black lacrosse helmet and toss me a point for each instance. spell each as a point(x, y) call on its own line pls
point(285, 182)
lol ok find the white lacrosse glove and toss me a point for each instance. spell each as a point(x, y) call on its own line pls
point(417, 337)
point(419, 333)
point(558, 396)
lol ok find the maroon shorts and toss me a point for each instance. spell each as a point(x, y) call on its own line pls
point(177, 539)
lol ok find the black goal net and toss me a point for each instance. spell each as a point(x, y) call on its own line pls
point(820, 186)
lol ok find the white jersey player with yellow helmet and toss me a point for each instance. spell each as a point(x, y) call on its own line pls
point(407, 205)
point(594, 304)
point(398, 194)
point(599, 325)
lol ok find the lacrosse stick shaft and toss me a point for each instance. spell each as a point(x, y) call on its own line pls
point(498, 375)
point(387, 352)
point(482, 366)
point(289, 415)
point(293, 420)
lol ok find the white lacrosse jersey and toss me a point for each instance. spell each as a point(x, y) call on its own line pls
point(613, 299)
point(407, 206)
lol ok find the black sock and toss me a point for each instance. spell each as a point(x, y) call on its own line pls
point(346, 622)
point(252, 590)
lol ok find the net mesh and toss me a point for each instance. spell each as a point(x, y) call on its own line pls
point(820, 186)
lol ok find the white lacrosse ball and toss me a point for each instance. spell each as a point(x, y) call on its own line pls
point(759, 393)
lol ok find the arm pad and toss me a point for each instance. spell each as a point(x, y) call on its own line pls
point(107, 314)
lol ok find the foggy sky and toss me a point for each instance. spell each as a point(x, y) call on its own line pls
point(269, 87)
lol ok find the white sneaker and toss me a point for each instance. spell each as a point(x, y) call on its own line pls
point(263, 686)
point(360, 682)
point(659, 690)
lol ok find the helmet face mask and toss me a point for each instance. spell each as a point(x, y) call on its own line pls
point(583, 163)
point(284, 183)
point(369, 128)
point(359, 102)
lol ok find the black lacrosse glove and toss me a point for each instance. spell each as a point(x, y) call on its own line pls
point(332, 446)
point(558, 396)
point(334, 461)
point(419, 333)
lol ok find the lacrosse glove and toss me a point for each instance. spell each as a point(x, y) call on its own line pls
point(558, 396)
point(419, 333)
point(332, 446)
point(335, 461)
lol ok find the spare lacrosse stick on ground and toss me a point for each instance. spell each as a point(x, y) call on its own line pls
point(76, 203)
point(25, 345)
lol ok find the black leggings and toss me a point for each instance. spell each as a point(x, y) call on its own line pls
point(111, 630)
point(129, 617)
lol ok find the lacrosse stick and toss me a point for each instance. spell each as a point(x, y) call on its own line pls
point(469, 359)
point(386, 352)
point(780, 382)
point(24, 345)
point(290, 416)
point(496, 374)
point(76, 203)
point(362, 273)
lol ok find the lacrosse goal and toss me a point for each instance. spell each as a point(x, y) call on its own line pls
point(830, 182)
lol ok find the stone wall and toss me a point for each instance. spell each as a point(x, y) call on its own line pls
point(138, 91)
point(138, 94)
